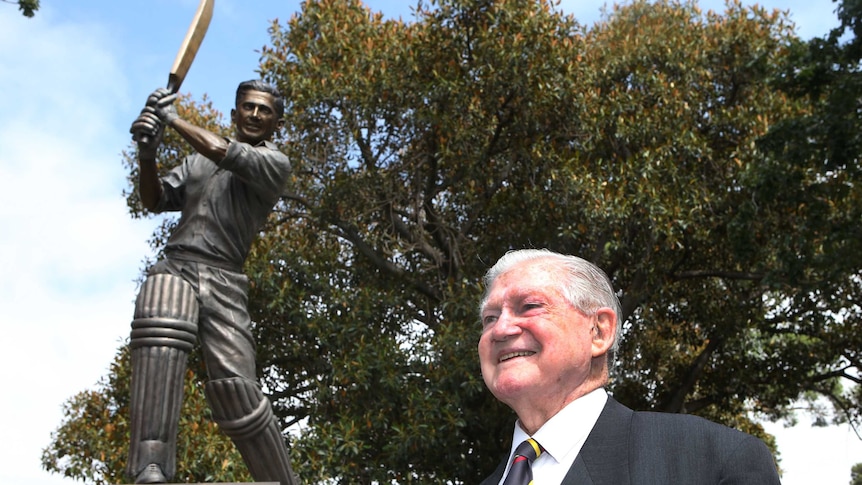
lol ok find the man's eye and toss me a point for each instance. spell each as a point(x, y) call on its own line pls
point(489, 320)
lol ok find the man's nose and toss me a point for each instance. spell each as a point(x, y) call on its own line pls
point(255, 112)
point(505, 326)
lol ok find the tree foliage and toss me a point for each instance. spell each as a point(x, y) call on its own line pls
point(648, 143)
point(814, 162)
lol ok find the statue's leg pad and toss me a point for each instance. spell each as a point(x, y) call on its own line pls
point(164, 330)
point(245, 415)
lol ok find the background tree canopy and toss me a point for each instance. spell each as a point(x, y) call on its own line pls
point(696, 157)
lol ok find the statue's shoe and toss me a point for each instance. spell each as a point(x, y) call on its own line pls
point(151, 474)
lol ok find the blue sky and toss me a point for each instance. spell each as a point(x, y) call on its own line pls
point(73, 78)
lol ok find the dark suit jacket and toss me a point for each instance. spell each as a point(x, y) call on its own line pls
point(641, 448)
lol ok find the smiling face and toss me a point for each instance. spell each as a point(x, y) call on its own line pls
point(255, 117)
point(537, 351)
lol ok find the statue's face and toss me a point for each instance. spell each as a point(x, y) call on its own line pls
point(254, 117)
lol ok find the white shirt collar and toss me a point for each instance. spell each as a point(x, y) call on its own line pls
point(562, 437)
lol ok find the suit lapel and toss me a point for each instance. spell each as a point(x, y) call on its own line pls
point(495, 477)
point(604, 458)
point(578, 474)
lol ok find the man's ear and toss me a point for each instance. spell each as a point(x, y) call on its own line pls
point(604, 331)
point(233, 115)
point(280, 123)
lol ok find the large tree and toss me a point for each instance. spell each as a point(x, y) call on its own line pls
point(425, 150)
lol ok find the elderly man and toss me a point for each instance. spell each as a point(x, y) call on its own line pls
point(197, 292)
point(550, 324)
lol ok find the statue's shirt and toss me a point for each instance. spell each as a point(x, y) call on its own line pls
point(223, 204)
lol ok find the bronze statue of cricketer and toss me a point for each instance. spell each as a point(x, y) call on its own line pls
point(197, 292)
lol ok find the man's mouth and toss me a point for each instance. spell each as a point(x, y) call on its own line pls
point(512, 355)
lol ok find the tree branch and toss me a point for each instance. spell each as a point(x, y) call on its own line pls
point(732, 275)
point(675, 403)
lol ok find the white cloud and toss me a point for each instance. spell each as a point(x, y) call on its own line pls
point(69, 252)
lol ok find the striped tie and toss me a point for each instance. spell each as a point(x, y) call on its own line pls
point(520, 472)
